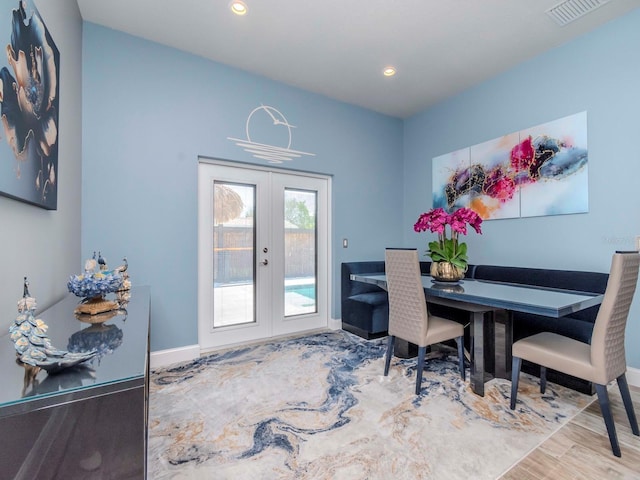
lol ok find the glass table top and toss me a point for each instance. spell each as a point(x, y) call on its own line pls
point(121, 343)
point(515, 297)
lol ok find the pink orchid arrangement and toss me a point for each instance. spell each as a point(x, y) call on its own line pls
point(447, 249)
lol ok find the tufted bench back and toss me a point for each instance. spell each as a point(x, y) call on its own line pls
point(578, 281)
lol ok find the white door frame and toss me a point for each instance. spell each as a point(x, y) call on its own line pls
point(205, 246)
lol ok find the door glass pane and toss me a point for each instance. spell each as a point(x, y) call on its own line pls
point(300, 247)
point(234, 234)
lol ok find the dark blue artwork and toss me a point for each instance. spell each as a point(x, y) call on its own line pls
point(29, 99)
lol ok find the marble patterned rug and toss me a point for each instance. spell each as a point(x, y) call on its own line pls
point(318, 407)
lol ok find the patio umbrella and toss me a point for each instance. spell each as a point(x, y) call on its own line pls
point(227, 204)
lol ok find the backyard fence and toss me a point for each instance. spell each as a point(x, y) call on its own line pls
point(234, 254)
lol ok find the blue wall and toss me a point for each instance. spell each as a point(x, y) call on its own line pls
point(598, 73)
point(149, 111)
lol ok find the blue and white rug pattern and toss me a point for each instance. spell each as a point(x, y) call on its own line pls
point(318, 407)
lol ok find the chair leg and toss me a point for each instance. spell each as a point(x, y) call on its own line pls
point(605, 408)
point(515, 378)
point(543, 379)
point(421, 354)
point(387, 360)
point(460, 342)
point(628, 404)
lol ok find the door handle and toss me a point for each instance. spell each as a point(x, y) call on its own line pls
point(265, 262)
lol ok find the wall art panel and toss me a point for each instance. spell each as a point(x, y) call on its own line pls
point(538, 171)
point(498, 195)
point(555, 178)
point(29, 87)
point(452, 181)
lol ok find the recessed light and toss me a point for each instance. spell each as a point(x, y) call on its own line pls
point(238, 7)
point(389, 71)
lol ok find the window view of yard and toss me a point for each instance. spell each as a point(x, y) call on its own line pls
point(235, 253)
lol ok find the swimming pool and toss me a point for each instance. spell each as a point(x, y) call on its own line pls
point(307, 290)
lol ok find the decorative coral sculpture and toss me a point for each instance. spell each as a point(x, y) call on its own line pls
point(32, 344)
point(96, 281)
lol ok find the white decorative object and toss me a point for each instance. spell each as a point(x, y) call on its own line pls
point(33, 346)
point(264, 116)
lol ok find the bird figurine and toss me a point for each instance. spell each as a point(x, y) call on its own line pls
point(102, 262)
point(33, 345)
point(122, 270)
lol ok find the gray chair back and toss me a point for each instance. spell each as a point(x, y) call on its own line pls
point(408, 317)
point(607, 342)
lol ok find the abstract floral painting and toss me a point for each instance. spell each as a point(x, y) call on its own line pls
point(29, 87)
point(538, 171)
point(452, 180)
point(556, 180)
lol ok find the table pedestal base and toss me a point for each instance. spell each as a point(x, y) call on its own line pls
point(404, 349)
point(483, 343)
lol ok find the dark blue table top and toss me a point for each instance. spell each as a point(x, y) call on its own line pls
point(508, 296)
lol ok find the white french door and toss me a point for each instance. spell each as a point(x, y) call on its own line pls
point(263, 253)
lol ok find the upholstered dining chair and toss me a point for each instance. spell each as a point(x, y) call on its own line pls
point(600, 362)
point(409, 318)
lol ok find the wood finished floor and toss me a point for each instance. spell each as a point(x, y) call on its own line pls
point(581, 449)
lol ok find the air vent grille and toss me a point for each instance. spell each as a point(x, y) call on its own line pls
point(570, 10)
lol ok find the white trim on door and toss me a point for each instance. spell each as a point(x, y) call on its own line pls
point(270, 320)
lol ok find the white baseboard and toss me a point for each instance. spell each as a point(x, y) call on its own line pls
point(162, 358)
point(633, 376)
point(335, 324)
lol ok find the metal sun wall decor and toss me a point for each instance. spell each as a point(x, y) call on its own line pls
point(268, 122)
point(29, 88)
point(538, 171)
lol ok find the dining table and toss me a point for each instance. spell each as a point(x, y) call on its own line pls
point(482, 299)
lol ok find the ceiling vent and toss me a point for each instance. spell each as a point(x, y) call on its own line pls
point(570, 10)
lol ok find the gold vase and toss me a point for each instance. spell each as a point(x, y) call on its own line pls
point(447, 272)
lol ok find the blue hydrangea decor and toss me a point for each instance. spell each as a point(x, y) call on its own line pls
point(96, 281)
point(94, 284)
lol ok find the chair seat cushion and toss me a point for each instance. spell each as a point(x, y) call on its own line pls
point(527, 324)
point(557, 352)
point(441, 329)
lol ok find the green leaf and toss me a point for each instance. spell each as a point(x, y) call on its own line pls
point(459, 263)
point(450, 251)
